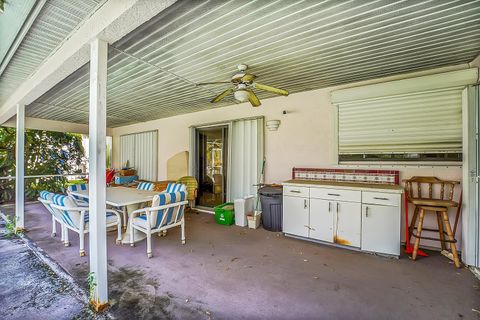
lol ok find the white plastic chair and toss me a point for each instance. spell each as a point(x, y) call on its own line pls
point(167, 211)
point(75, 218)
point(46, 199)
point(81, 201)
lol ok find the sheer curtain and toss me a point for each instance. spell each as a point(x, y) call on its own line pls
point(247, 153)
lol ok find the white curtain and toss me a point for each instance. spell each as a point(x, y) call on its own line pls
point(247, 153)
point(141, 151)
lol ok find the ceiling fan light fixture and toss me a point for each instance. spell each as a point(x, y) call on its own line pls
point(241, 95)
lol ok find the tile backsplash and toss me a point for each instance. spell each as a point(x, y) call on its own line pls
point(347, 175)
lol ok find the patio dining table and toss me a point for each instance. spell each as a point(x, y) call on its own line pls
point(121, 197)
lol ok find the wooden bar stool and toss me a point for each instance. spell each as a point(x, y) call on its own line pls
point(420, 191)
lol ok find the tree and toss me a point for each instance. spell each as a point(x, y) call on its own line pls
point(46, 153)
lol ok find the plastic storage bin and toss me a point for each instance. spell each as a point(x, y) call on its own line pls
point(271, 199)
point(224, 214)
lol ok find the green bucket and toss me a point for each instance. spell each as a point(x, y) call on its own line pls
point(224, 214)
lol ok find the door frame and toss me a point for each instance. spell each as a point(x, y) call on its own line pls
point(192, 166)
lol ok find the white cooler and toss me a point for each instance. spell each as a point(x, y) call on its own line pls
point(242, 207)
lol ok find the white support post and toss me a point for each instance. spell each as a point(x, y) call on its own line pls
point(20, 169)
point(97, 167)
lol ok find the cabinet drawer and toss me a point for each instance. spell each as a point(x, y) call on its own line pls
point(291, 191)
point(386, 199)
point(335, 194)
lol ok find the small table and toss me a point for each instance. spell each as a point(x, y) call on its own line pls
point(121, 197)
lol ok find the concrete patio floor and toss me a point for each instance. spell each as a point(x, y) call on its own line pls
point(237, 273)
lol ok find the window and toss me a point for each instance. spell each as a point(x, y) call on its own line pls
point(140, 151)
point(384, 123)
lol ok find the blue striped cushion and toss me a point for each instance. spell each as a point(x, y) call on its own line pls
point(165, 198)
point(45, 195)
point(67, 202)
point(76, 187)
point(175, 187)
point(145, 186)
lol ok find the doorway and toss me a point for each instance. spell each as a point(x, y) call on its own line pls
point(211, 165)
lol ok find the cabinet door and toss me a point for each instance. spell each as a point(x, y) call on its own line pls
point(321, 219)
point(295, 215)
point(348, 223)
point(381, 229)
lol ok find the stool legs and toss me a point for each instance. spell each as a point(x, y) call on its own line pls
point(440, 230)
point(419, 233)
point(451, 237)
point(413, 222)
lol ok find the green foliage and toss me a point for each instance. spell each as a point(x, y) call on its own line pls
point(46, 153)
point(92, 285)
point(9, 226)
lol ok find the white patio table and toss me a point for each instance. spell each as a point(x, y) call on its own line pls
point(121, 197)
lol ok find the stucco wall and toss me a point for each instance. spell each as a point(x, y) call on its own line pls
point(304, 139)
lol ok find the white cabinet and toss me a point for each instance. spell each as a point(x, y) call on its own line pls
point(368, 220)
point(295, 215)
point(348, 224)
point(381, 229)
point(321, 219)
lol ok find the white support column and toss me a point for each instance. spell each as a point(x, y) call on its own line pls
point(97, 167)
point(20, 169)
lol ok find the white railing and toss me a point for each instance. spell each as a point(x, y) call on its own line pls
point(47, 176)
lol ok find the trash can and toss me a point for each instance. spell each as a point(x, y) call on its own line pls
point(271, 200)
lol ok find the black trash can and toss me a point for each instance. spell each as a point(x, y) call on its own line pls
point(271, 199)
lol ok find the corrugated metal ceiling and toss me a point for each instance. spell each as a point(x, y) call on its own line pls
point(55, 22)
point(295, 45)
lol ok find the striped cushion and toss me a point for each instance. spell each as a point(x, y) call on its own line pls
point(167, 198)
point(72, 218)
point(173, 215)
point(45, 195)
point(175, 187)
point(145, 186)
point(76, 187)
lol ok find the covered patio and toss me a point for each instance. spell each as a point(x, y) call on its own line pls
point(352, 97)
point(232, 272)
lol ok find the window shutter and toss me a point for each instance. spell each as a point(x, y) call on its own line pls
point(420, 122)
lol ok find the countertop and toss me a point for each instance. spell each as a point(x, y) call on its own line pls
point(347, 185)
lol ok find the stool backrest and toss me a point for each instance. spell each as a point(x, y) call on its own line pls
point(426, 187)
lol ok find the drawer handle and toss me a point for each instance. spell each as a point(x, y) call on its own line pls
point(380, 198)
point(334, 194)
point(295, 191)
point(366, 212)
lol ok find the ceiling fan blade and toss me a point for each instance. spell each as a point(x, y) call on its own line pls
point(270, 89)
point(207, 83)
point(252, 97)
point(222, 95)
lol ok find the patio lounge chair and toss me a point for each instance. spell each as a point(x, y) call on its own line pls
point(46, 199)
point(76, 218)
point(83, 202)
point(167, 212)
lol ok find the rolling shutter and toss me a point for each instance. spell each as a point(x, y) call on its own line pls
point(421, 122)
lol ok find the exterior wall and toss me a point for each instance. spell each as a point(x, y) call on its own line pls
point(305, 137)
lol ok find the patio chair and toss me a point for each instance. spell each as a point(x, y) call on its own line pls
point(76, 218)
point(46, 199)
point(146, 186)
point(167, 212)
point(81, 201)
point(191, 185)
